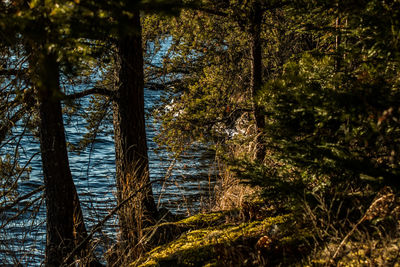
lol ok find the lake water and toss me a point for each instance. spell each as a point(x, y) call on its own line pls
point(93, 171)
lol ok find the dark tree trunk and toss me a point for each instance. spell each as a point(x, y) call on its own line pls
point(65, 225)
point(256, 76)
point(132, 166)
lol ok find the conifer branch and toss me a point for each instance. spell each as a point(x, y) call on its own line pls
point(92, 91)
point(15, 202)
point(10, 72)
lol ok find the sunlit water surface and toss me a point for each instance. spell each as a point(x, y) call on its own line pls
point(93, 172)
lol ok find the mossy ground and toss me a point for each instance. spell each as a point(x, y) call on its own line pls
point(215, 241)
point(260, 236)
point(366, 253)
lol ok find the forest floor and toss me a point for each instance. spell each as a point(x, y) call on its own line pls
point(258, 235)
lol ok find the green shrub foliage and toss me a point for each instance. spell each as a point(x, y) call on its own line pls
point(330, 91)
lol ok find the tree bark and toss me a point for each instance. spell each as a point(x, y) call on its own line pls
point(256, 76)
point(132, 166)
point(65, 226)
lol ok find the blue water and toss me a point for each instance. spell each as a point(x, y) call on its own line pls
point(93, 171)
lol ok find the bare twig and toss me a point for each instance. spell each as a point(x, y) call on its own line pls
point(98, 226)
point(31, 203)
point(377, 207)
point(15, 202)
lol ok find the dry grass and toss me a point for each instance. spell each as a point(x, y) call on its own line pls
point(342, 240)
point(230, 193)
point(132, 219)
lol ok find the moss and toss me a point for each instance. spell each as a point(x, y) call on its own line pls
point(299, 236)
point(199, 247)
point(205, 219)
point(364, 253)
point(168, 231)
point(371, 254)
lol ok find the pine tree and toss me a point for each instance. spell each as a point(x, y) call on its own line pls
point(132, 163)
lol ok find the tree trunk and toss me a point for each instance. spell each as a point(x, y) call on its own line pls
point(256, 76)
point(132, 166)
point(65, 226)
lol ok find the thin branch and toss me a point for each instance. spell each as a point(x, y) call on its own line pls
point(92, 91)
point(208, 10)
point(161, 85)
point(15, 202)
point(377, 205)
point(9, 72)
point(98, 226)
point(28, 205)
point(4, 129)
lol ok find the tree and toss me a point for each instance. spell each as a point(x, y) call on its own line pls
point(55, 26)
point(130, 134)
point(217, 65)
point(256, 17)
point(65, 225)
point(132, 163)
point(331, 113)
point(132, 168)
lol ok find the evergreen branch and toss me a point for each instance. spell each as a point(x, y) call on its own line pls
point(14, 119)
point(20, 174)
point(92, 91)
point(161, 86)
point(155, 86)
point(208, 10)
point(9, 72)
point(27, 206)
point(15, 202)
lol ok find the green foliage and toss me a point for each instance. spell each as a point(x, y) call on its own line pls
point(10, 175)
point(202, 65)
point(8, 184)
point(340, 123)
point(330, 93)
point(207, 69)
